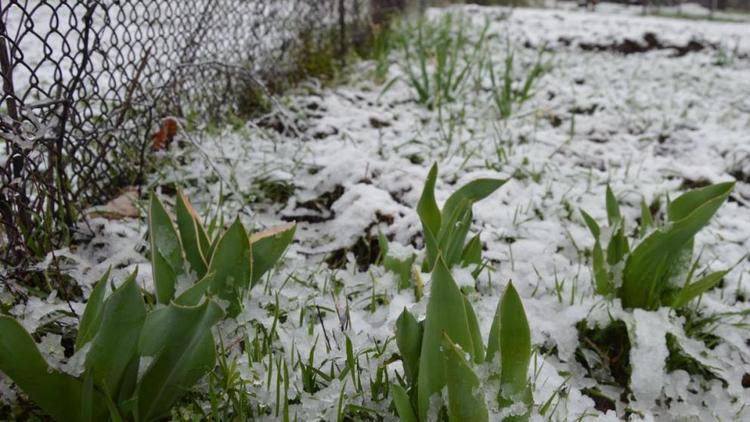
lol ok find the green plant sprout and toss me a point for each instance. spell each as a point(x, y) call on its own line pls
point(434, 356)
point(132, 362)
point(444, 58)
point(445, 230)
point(652, 269)
point(504, 96)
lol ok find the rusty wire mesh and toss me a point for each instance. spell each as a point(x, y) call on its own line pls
point(84, 83)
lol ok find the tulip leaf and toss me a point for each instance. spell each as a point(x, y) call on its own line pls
point(647, 220)
point(592, 225)
point(403, 404)
point(58, 394)
point(613, 207)
point(165, 278)
point(651, 261)
point(618, 244)
point(179, 343)
point(472, 253)
point(446, 313)
point(686, 203)
point(427, 208)
point(514, 340)
point(231, 266)
point(510, 338)
point(115, 343)
point(166, 250)
point(267, 248)
point(409, 342)
point(429, 214)
point(476, 336)
point(465, 398)
point(191, 234)
point(92, 313)
point(468, 194)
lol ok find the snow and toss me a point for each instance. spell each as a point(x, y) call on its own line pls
point(647, 123)
point(649, 352)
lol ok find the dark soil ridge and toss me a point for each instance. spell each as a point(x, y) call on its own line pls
point(648, 42)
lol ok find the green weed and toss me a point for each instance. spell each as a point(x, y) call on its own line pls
point(505, 96)
point(443, 56)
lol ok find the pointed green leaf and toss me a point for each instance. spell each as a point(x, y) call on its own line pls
point(429, 215)
point(686, 203)
point(603, 282)
point(618, 244)
point(651, 261)
point(267, 248)
point(57, 394)
point(682, 259)
point(427, 208)
point(476, 336)
point(647, 220)
point(515, 341)
point(452, 240)
point(231, 266)
point(166, 250)
point(165, 278)
point(592, 225)
point(409, 342)
point(470, 193)
point(116, 340)
point(446, 313)
point(472, 253)
point(403, 404)
point(179, 341)
point(613, 207)
point(465, 398)
point(163, 234)
point(693, 290)
point(93, 312)
point(191, 233)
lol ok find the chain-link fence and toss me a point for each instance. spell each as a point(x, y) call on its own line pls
point(85, 82)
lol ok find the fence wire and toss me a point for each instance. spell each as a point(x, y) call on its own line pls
point(85, 82)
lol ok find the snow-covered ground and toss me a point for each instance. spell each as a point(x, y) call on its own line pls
point(649, 123)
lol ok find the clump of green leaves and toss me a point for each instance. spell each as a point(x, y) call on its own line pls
point(443, 56)
point(133, 362)
point(226, 266)
point(445, 230)
point(507, 98)
point(434, 355)
point(657, 272)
